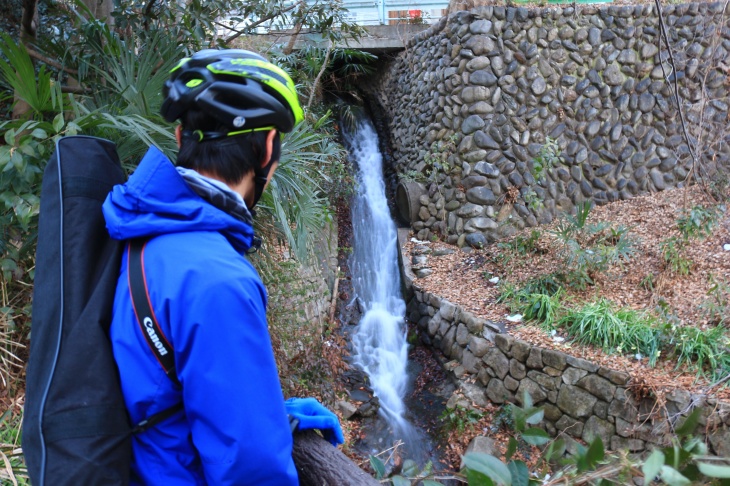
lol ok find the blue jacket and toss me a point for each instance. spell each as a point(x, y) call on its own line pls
point(211, 305)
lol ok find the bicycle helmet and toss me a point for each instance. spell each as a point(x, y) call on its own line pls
point(240, 89)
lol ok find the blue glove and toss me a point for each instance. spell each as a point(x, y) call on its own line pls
point(313, 415)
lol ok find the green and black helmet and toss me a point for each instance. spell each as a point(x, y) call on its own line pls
point(239, 88)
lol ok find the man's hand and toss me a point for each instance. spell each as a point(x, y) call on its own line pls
point(313, 415)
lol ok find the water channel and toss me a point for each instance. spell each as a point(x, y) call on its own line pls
point(380, 340)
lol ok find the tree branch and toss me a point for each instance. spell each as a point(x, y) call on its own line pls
point(663, 31)
point(75, 90)
point(319, 75)
point(239, 33)
point(37, 55)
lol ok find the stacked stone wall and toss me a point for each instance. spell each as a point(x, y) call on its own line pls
point(581, 399)
point(473, 99)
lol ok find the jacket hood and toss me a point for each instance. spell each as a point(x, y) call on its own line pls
point(157, 200)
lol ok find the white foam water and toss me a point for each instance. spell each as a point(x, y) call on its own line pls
point(380, 339)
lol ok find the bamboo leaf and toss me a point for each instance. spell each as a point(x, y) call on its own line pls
point(714, 471)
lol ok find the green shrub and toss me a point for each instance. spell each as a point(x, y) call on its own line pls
point(717, 305)
point(698, 222)
point(459, 418)
point(522, 245)
point(590, 249)
point(673, 250)
point(621, 330)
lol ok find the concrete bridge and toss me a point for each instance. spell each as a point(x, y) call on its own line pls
point(378, 39)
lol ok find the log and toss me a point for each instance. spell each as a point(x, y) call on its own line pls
point(320, 464)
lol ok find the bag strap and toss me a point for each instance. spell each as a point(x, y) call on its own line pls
point(156, 340)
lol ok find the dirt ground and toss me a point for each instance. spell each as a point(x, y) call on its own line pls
point(463, 278)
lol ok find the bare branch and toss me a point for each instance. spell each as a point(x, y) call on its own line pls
point(37, 55)
point(319, 75)
point(75, 90)
point(239, 33)
point(675, 82)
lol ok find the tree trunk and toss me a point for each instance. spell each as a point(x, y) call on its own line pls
point(101, 9)
point(320, 464)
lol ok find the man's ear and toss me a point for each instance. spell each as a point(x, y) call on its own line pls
point(178, 135)
point(269, 148)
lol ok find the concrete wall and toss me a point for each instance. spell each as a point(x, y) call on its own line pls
point(472, 100)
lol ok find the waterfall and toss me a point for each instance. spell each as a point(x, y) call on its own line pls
point(380, 339)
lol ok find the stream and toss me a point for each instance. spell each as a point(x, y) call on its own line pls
point(379, 341)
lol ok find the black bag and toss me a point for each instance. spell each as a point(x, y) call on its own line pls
point(75, 429)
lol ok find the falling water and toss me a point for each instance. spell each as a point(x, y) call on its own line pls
point(380, 339)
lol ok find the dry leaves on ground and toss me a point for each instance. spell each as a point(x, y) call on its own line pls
point(463, 278)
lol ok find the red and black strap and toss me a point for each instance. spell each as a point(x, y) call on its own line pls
point(158, 343)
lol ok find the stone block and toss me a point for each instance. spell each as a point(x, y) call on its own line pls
point(497, 393)
point(510, 383)
point(448, 310)
point(520, 350)
point(433, 325)
point(483, 376)
point(554, 359)
point(462, 335)
point(473, 323)
point(504, 342)
point(474, 393)
point(575, 401)
point(597, 386)
point(517, 369)
point(545, 381)
point(470, 362)
point(596, 427)
point(533, 389)
point(478, 346)
point(570, 425)
point(550, 371)
point(618, 377)
point(572, 375)
point(582, 364)
point(534, 359)
point(483, 445)
point(720, 441)
point(600, 409)
point(497, 361)
point(631, 445)
point(552, 412)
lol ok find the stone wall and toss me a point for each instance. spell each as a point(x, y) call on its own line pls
point(472, 100)
point(580, 398)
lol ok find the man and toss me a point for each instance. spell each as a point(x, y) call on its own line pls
point(233, 427)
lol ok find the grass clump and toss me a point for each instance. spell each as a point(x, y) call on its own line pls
point(621, 330)
point(703, 350)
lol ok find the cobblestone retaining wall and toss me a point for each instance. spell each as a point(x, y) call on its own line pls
point(580, 398)
point(472, 99)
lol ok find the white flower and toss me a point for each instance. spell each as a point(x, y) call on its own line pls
point(494, 280)
point(515, 318)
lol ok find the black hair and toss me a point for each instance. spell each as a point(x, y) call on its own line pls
point(228, 159)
